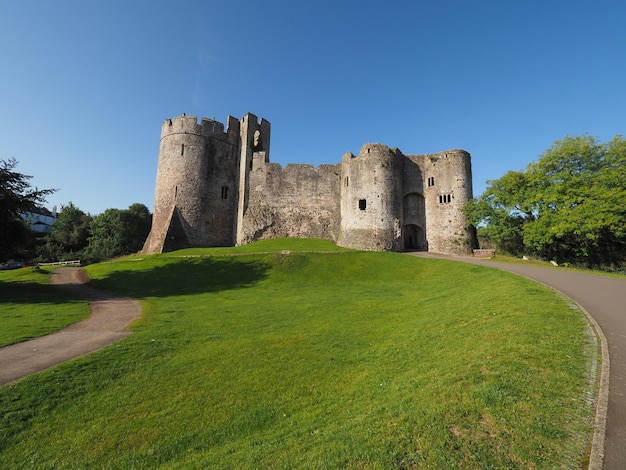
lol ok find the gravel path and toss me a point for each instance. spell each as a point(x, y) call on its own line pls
point(108, 322)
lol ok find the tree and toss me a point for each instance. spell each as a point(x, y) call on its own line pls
point(500, 213)
point(118, 232)
point(570, 205)
point(16, 197)
point(69, 234)
point(139, 225)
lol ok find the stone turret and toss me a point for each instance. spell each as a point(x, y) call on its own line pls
point(196, 193)
point(254, 144)
point(371, 208)
point(448, 178)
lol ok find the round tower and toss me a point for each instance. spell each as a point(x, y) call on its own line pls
point(371, 204)
point(449, 177)
point(196, 185)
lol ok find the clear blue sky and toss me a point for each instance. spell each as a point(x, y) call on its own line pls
point(86, 85)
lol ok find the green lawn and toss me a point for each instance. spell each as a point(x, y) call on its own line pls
point(30, 306)
point(315, 360)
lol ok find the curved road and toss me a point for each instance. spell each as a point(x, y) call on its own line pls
point(604, 298)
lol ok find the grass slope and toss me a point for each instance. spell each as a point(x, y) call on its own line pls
point(30, 306)
point(314, 360)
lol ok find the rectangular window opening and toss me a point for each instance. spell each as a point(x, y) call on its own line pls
point(362, 204)
point(224, 192)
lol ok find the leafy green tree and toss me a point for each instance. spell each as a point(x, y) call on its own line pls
point(501, 212)
point(69, 235)
point(16, 197)
point(570, 205)
point(118, 232)
point(139, 225)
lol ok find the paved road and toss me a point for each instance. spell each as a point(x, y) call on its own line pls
point(604, 298)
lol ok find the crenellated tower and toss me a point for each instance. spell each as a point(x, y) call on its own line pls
point(195, 198)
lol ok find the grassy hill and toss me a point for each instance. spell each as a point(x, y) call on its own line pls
point(255, 357)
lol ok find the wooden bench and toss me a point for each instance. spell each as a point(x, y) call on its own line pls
point(484, 253)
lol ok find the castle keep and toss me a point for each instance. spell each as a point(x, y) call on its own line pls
point(217, 187)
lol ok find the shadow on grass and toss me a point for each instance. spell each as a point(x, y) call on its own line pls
point(27, 290)
point(184, 277)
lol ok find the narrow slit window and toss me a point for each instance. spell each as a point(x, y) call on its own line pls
point(362, 204)
point(347, 181)
point(224, 192)
point(431, 181)
point(182, 149)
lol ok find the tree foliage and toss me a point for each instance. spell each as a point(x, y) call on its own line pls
point(16, 197)
point(118, 232)
point(78, 235)
point(75, 234)
point(570, 205)
point(70, 232)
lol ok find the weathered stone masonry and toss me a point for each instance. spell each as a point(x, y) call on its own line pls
point(217, 187)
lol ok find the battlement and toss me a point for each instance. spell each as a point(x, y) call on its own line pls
point(446, 154)
point(253, 119)
point(206, 127)
point(292, 168)
point(373, 151)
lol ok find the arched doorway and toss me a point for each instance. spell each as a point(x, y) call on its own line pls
point(414, 238)
point(414, 214)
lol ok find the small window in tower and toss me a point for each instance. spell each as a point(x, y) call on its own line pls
point(431, 181)
point(445, 198)
point(346, 181)
point(362, 204)
point(224, 192)
point(182, 149)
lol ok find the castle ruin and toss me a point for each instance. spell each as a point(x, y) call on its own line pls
point(217, 187)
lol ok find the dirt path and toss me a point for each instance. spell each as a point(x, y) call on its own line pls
point(108, 322)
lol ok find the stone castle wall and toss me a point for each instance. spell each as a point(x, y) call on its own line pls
point(297, 201)
point(218, 188)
